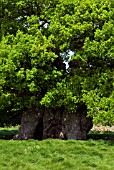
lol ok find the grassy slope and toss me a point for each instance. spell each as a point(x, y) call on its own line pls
point(56, 155)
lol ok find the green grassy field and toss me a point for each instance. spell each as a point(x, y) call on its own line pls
point(56, 155)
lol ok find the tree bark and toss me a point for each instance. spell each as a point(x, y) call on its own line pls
point(29, 123)
point(52, 123)
point(76, 124)
point(55, 123)
point(61, 124)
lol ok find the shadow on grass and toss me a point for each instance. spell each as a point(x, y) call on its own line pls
point(7, 134)
point(107, 136)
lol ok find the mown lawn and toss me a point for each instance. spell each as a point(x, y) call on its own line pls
point(57, 155)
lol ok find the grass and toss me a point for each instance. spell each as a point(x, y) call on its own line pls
point(56, 154)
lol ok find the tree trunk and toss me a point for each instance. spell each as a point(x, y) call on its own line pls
point(61, 124)
point(55, 123)
point(52, 123)
point(76, 124)
point(29, 122)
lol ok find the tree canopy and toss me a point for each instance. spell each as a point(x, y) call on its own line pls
point(58, 53)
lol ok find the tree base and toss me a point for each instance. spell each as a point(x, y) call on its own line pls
point(59, 123)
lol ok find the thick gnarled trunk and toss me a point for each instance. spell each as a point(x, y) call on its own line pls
point(76, 124)
point(55, 123)
point(61, 124)
point(29, 122)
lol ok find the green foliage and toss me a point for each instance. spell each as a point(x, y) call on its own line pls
point(36, 39)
